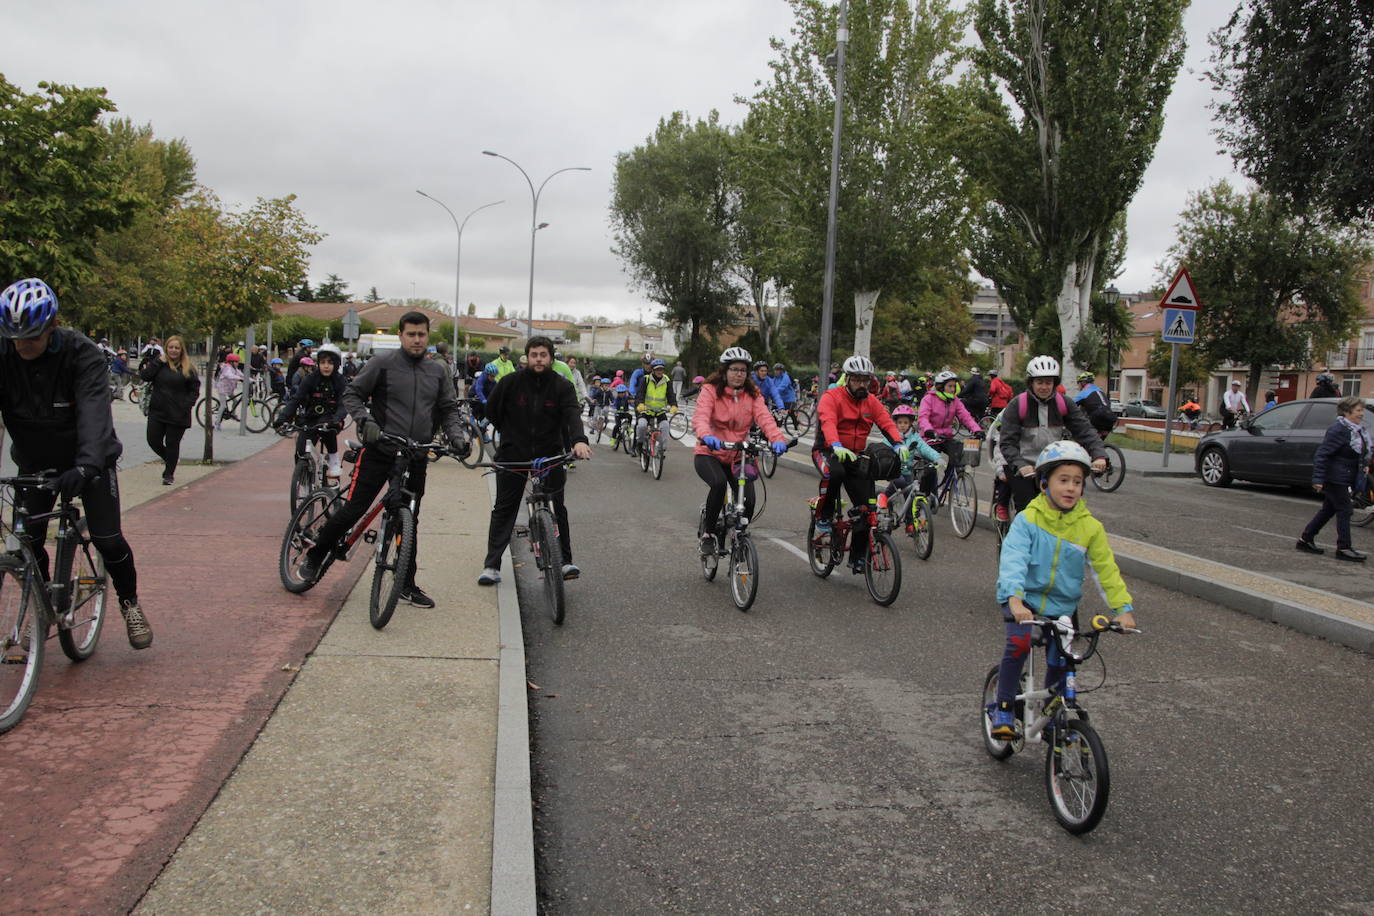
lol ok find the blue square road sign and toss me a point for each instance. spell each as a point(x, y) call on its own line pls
point(1180, 325)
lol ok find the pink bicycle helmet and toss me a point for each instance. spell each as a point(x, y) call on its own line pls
point(904, 410)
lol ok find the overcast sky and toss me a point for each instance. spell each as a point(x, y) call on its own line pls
point(353, 106)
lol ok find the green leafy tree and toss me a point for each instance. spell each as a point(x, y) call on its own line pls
point(235, 263)
point(1087, 81)
point(928, 332)
point(903, 201)
point(1194, 364)
point(305, 293)
point(372, 296)
point(472, 309)
point(333, 289)
point(1298, 79)
point(59, 186)
point(500, 313)
point(1274, 287)
point(671, 213)
point(130, 288)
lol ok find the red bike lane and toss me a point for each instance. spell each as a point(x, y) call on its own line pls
point(120, 755)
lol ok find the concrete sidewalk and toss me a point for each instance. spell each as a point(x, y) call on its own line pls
point(371, 788)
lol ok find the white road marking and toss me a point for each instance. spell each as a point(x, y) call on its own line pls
point(1286, 537)
point(792, 547)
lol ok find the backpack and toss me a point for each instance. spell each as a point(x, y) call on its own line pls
point(1023, 403)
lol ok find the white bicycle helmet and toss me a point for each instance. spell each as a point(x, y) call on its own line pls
point(331, 351)
point(858, 365)
point(945, 376)
point(1064, 451)
point(1042, 367)
point(735, 355)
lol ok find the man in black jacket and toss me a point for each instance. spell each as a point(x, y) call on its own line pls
point(55, 401)
point(536, 412)
point(401, 393)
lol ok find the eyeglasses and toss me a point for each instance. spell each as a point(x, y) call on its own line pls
point(737, 369)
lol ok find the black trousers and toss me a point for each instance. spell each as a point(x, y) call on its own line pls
point(860, 490)
point(370, 476)
point(1023, 489)
point(510, 489)
point(165, 441)
point(718, 477)
point(1335, 501)
point(100, 501)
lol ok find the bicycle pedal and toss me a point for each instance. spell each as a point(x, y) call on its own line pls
point(521, 531)
point(370, 536)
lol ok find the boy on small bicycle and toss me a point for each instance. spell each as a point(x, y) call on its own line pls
point(1046, 556)
point(318, 405)
point(904, 416)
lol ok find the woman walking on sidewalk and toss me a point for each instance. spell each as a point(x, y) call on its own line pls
point(175, 387)
point(1338, 470)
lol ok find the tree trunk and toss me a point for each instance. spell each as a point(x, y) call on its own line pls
point(1073, 306)
point(865, 304)
point(760, 295)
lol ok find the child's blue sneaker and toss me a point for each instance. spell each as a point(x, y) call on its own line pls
point(1004, 723)
point(822, 526)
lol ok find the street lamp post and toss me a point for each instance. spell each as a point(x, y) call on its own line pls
point(534, 220)
point(832, 222)
point(458, 268)
point(1111, 295)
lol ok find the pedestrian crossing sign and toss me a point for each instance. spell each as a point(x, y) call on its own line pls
point(1180, 325)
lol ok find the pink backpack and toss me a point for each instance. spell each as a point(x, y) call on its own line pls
point(1023, 402)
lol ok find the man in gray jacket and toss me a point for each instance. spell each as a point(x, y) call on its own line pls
point(400, 393)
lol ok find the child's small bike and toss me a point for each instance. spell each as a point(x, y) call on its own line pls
point(1077, 778)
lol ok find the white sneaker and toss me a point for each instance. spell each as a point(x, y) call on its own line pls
point(489, 576)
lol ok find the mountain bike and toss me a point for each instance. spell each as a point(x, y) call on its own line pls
point(882, 565)
point(730, 529)
point(653, 450)
point(394, 536)
point(73, 599)
point(1109, 479)
point(956, 487)
point(543, 525)
point(309, 473)
point(1077, 778)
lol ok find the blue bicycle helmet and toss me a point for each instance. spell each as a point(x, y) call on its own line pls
point(657, 363)
point(307, 342)
point(276, 362)
point(622, 389)
point(491, 369)
point(26, 309)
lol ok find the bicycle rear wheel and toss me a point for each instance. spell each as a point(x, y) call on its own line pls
point(395, 548)
point(301, 534)
point(657, 452)
point(922, 527)
point(819, 549)
point(22, 637)
point(963, 504)
point(796, 423)
point(135, 394)
point(883, 569)
point(709, 561)
point(996, 747)
point(78, 629)
point(549, 554)
point(744, 571)
point(1111, 478)
point(599, 427)
point(207, 410)
point(677, 425)
point(1077, 778)
point(475, 454)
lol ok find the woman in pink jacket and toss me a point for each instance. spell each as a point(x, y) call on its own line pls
point(727, 406)
point(941, 409)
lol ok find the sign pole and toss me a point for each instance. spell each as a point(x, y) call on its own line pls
point(1169, 410)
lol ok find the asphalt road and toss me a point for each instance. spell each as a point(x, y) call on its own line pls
point(822, 754)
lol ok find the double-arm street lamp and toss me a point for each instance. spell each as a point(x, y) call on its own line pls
point(535, 225)
point(458, 268)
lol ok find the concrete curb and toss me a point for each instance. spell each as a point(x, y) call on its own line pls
point(513, 888)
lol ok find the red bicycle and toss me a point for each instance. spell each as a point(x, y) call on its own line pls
point(882, 566)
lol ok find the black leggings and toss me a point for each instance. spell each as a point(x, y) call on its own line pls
point(718, 477)
point(165, 441)
point(100, 500)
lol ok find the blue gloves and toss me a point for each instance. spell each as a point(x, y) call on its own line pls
point(711, 442)
point(841, 453)
point(779, 448)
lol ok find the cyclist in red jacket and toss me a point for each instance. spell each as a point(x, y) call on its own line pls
point(847, 414)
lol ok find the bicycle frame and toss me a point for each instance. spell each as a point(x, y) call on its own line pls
point(53, 594)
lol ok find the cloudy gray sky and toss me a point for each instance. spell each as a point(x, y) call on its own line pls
point(352, 106)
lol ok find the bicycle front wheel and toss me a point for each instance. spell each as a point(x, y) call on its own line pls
point(1076, 776)
point(550, 555)
point(657, 452)
point(78, 629)
point(709, 561)
point(819, 552)
point(922, 527)
point(22, 632)
point(963, 504)
point(478, 449)
point(135, 393)
point(1111, 478)
point(744, 572)
point(259, 415)
point(883, 569)
point(395, 550)
point(302, 533)
point(769, 461)
point(677, 425)
point(302, 480)
point(996, 747)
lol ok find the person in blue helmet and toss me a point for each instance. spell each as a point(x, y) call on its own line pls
point(302, 352)
point(55, 403)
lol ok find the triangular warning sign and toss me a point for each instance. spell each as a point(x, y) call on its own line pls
point(1181, 294)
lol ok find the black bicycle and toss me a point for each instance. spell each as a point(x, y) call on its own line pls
point(72, 599)
point(310, 473)
point(394, 537)
point(543, 524)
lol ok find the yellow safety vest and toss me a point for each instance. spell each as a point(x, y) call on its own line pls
point(655, 394)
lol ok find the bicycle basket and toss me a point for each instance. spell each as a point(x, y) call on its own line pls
point(879, 462)
point(973, 455)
